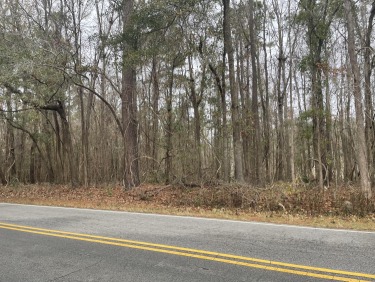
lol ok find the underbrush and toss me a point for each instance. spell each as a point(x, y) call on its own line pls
point(282, 197)
point(287, 202)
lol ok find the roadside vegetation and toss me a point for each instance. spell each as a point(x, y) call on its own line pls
point(341, 207)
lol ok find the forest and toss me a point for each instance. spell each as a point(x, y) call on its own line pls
point(187, 92)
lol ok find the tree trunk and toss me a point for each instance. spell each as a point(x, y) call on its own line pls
point(196, 100)
point(243, 82)
point(169, 128)
point(84, 138)
point(32, 164)
point(291, 110)
point(281, 97)
point(318, 112)
point(223, 130)
point(266, 105)
point(59, 152)
point(255, 132)
point(10, 155)
point(361, 140)
point(228, 46)
point(129, 105)
point(155, 111)
point(67, 141)
point(369, 111)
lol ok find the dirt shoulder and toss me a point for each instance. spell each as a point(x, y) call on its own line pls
point(281, 203)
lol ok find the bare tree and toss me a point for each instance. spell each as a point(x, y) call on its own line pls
point(361, 139)
point(228, 46)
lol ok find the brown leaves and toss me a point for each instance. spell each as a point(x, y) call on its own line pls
point(236, 199)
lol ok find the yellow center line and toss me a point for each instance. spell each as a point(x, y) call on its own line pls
point(199, 254)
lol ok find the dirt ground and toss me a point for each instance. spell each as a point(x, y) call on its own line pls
point(337, 207)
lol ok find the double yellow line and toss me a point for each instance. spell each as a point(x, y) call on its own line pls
point(302, 270)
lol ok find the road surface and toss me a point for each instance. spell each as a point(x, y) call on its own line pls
point(64, 244)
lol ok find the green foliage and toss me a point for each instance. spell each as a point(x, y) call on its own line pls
point(35, 67)
point(153, 17)
point(155, 28)
point(317, 17)
point(322, 30)
point(305, 63)
point(304, 125)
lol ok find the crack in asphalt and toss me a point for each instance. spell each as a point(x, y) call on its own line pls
point(75, 271)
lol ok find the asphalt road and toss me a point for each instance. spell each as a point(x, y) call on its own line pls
point(63, 244)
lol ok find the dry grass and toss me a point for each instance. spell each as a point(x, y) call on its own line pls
point(280, 203)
